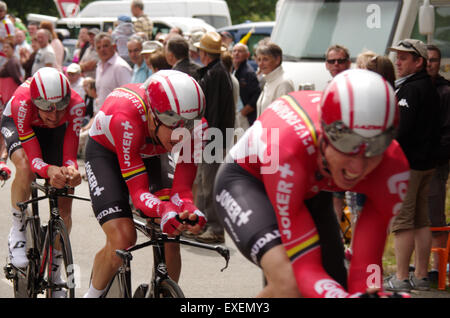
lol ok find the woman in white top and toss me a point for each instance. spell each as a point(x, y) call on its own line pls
point(269, 57)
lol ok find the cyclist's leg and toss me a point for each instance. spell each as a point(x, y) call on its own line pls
point(109, 196)
point(249, 218)
point(20, 190)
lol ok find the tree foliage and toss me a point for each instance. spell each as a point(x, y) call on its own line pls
point(240, 10)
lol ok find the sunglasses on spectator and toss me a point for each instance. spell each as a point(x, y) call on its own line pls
point(409, 46)
point(433, 60)
point(339, 61)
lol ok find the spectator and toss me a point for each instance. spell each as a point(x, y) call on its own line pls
point(56, 44)
point(248, 82)
point(437, 194)
point(148, 48)
point(88, 62)
point(75, 79)
point(112, 70)
point(418, 135)
point(82, 44)
point(143, 22)
point(10, 74)
point(27, 58)
point(240, 121)
point(21, 43)
point(176, 30)
point(193, 51)
point(45, 57)
point(140, 69)
point(363, 58)
point(121, 34)
point(269, 59)
point(227, 40)
point(220, 113)
point(32, 28)
point(156, 61)
point(337, 59)
point(383, 66)
point(90, 96)
point(6, 28)
point(177, 55)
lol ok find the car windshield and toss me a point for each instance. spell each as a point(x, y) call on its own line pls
point(307, 28)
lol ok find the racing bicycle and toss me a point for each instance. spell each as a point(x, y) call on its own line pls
point(38, 277)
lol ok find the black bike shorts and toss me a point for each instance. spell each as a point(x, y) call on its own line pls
point(108, 190)
point(248, 216)
point(51, 140)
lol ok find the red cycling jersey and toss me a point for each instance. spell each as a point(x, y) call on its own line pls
point(121, 126)
point(281, 150)
point(25, 115)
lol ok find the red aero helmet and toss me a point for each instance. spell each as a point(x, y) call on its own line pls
point(359, 112)
point(50, 89)
point(175, 98)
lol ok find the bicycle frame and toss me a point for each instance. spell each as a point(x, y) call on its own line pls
point(41, 252)
point(159, 271)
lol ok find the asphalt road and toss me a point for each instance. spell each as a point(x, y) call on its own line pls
point(200, 276)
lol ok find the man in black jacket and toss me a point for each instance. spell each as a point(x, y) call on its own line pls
point(418, 135)
point(177, 55)
point(249, 89)
point(438, 189)
point(216, 84)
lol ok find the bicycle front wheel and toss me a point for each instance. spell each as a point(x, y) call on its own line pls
point(168, 289)
point(61, 271)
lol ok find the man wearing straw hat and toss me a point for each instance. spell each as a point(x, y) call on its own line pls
point(220, 113)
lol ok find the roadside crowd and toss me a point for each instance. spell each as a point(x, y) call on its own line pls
point(236, 94)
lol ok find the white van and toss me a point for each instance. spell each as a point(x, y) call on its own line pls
point(304, 29)
point(103, 14)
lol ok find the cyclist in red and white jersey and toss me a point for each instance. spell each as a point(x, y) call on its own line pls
point(274, 192)
point(126, 154)
point(41, 125)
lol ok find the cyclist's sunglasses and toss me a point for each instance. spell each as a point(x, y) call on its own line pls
point(340, 61)
point(408, 45)
point(172, 120)
point(347, 141)
point(47, 106)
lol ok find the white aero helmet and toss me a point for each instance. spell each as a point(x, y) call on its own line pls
point(50, 89)
point(359, 112)
point(174, 98)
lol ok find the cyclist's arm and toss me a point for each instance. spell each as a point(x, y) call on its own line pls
point(72, 136)
point(22, 112)
point(128, 138)
point(389, 182)
point(286, 189)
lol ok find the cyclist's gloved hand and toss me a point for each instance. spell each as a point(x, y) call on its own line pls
point(196, 220)
point(169, 221)
point(5, 171)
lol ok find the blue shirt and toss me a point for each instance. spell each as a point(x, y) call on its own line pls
point(140, 74)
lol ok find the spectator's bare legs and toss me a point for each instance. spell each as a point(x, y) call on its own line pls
point(423, 249)
point(404, 246)
point(279, 274)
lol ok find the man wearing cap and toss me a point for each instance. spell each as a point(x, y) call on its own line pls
point(75, 79)
point(220, 114)
point(88, 62)
point(149, 47)
point(418, 135)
